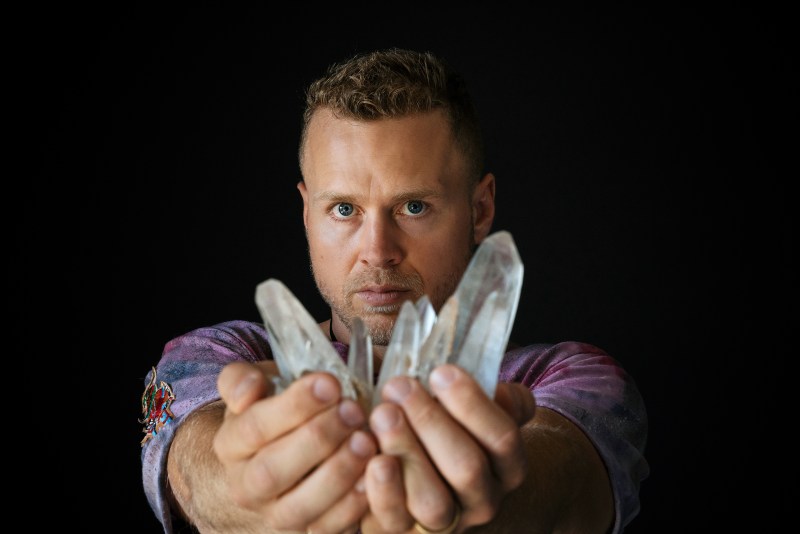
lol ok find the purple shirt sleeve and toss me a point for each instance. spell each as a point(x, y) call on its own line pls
point(577, 380)
point(190, 364)
point(591, 389)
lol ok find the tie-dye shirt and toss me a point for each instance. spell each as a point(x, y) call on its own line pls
point(577, 380)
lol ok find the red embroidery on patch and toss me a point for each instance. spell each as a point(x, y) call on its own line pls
point(155, 407)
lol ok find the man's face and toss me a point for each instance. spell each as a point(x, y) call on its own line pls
point(389, 214)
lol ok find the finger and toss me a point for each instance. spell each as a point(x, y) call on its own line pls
point(428, 498)
point(386, 495)
point(240, 384)
point(282, 463)
point(331, 496)
point(268, 419)
point(517, 400)
point(344, 516)
point(489, 424)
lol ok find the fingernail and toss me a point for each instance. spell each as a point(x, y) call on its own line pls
point(397, 389)
point(360, 444)
point(350, 412)
point(244, 387)
point(384, 473)
point(324, 389)
point(442, 377)
point(385, 418)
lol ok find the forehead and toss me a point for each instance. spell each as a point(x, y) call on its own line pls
point(416, 151)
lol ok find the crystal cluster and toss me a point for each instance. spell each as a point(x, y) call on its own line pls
point(471, 330)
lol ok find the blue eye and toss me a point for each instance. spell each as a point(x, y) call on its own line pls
point(344, 209)
point(415, 207)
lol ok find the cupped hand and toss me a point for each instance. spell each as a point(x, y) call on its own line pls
point(451, 454)
point(295, 458)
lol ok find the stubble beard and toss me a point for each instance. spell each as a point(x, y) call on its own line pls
point(380, 320)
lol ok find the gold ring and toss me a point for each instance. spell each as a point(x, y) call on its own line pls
point(446, 530)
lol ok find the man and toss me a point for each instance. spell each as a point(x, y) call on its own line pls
point(395, 201)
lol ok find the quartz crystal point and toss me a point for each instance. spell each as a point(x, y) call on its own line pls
point(473, 327)
point(299, 346)
point(402, 354)
point(487, 299)
point(471, 331)
point(359, 364)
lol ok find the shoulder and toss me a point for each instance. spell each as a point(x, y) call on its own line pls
point(246, 338)
point(536, 362)
point(551, 352)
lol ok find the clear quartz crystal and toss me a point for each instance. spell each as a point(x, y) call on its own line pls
point(299, 346)
point(471, 331)
point(359, 364)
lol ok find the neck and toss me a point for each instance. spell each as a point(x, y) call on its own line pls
point(377, 350)
point(330, 331)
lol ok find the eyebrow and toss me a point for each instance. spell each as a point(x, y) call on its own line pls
point(411, 194)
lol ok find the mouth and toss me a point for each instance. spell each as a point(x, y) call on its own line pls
point(386, 298)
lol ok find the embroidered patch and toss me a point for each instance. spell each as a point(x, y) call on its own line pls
point(155, 407)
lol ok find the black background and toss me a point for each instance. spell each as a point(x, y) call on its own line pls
point(638, 161)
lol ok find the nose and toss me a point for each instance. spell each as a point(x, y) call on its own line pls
point(380, 244)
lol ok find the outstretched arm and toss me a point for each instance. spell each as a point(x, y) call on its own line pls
point(580, 457)
point(505, 465)
point(566, 483)
point(287, 462)
point(195, 477)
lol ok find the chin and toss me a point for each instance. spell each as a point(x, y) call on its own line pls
point(379, 327)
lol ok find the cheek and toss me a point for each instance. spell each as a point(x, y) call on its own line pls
point(438, 259)
point(325, 234)
point(328, 249)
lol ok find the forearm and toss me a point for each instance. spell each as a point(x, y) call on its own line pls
point(566, 490)
point(196, 479)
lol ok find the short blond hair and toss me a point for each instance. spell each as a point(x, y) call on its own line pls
point(395, 83)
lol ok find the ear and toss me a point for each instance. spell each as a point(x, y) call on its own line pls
point(301, 186)
point(483, 208)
